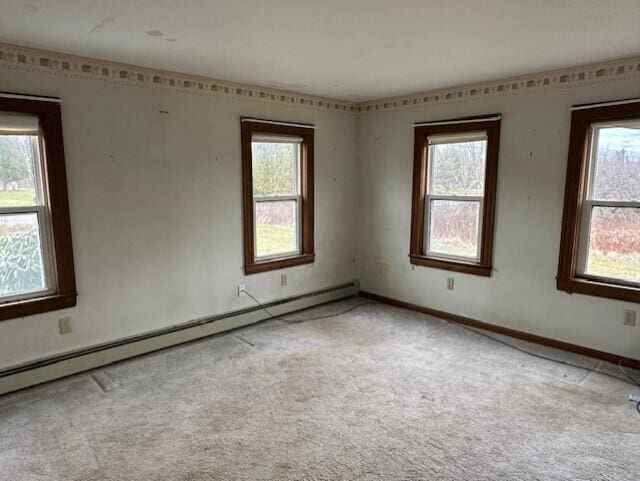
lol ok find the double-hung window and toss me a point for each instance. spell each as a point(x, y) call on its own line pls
point(455, 195)
point(600, 250)
point(25, 239)
point(36, 261)
point(455, 168)
point(278, 194)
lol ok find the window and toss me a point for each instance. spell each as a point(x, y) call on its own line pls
point(600, 247)
point(36, 260)
point(454, 189)
point(277, 161)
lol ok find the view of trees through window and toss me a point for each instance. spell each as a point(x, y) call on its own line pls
point(21, 264)
point(457, 183)
point(17, 171)
point(614, 230)
point(458, 168)
point(276, 195)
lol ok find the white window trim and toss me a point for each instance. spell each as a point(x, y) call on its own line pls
point(440, 139)
point(297, 198)
point(43, 215)
point(588, 203)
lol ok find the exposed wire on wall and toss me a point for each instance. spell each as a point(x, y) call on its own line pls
point(627, 377)
point(297, 321)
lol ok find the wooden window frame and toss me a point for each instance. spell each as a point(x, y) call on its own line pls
point(64, 295)
point(568, 278)
point(417, 255)
point(249, 128)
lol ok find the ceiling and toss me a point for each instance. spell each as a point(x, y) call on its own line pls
point(354, 50)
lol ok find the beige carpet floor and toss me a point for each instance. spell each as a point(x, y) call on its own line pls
point(380, 393)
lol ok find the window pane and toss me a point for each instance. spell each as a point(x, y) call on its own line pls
point(458, 168)
point(614, 243)
point(274, 168)
point(617, 166)
point(17, 170)
point(21, 266)
point(453, 228)
point(276, 228)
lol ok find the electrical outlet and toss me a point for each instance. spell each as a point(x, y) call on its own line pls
point(283, 280)
point(629, 317)
point(241, 289)
point(64, 325)
point(450, 283)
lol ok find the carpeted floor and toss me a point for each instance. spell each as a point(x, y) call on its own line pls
point(380, 393)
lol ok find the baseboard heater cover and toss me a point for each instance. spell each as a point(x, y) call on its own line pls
point(77, 361)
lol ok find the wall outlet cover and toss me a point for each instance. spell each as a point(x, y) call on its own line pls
point(64, 325)
point(241, 289)
point(450, 283)
point(629, 317)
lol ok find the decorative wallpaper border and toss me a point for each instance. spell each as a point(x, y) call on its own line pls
point(614, 70)
point(43, 61)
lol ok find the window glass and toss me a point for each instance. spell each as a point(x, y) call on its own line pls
point(614, 243)
point(458, 168)
point(453, 228)
point(276, 227)
point(617, 163)
point(21, 262)
point(610, 242)
point(18, 155)
point(455, 193)
point(274, 168)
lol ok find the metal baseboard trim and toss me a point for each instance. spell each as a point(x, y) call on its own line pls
point(73, 362)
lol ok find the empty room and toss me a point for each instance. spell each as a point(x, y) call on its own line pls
point(343, 240)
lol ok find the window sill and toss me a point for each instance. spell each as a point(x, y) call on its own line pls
point(279, 263)
point(36, 305)
point(600, 289)
point(475, 269)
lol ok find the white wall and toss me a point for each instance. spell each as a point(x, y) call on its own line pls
point(521, 294)
point(155, 204)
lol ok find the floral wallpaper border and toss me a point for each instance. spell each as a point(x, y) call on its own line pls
point(43, 61)
point(614, 70)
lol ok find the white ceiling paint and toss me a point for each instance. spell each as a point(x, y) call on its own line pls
point(346, 49)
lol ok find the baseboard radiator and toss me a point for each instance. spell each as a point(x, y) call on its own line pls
point(62, 365)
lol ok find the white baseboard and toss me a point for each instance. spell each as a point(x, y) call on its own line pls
point(48, 369)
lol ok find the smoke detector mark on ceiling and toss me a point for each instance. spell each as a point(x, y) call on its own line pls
point(30, 8)
point(154, 33)
point(103, 23)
